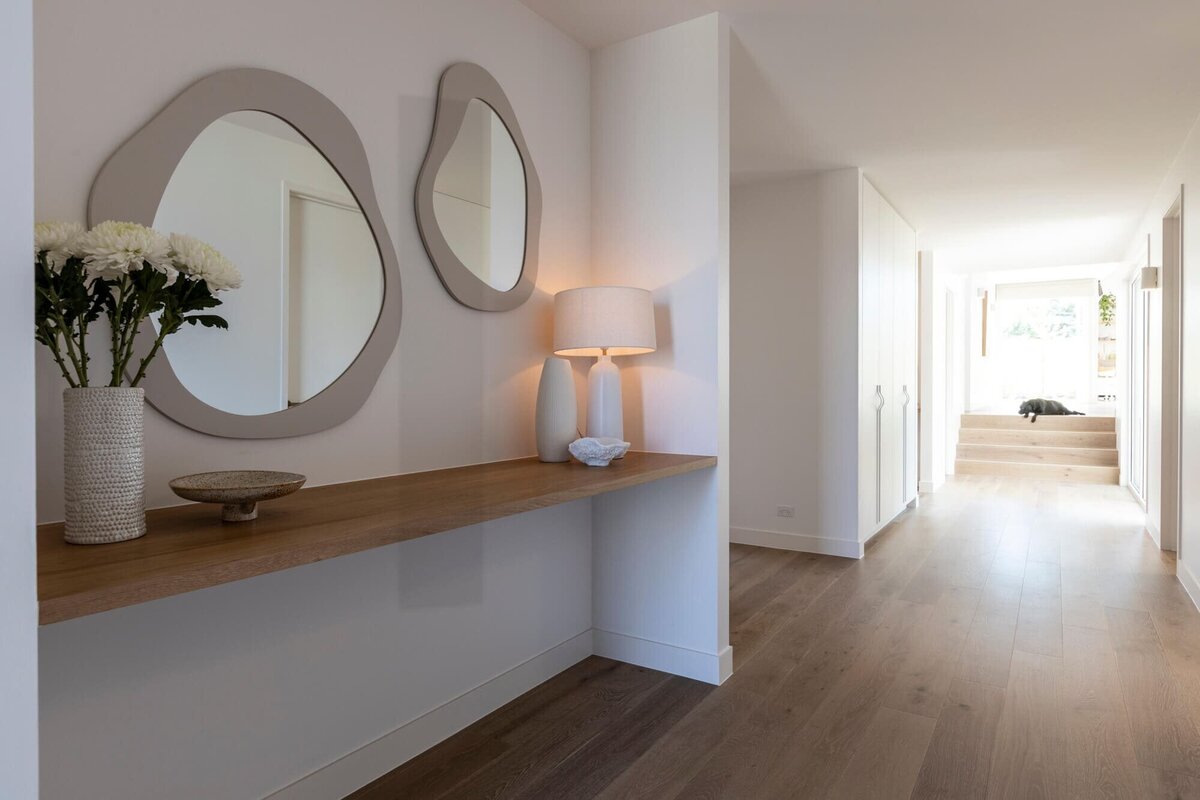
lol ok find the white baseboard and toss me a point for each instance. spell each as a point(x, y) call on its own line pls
point(929, 487)
point(1190, 584)
point(379, 757)
point(846, 548)
point(708, 667)
point(1154, 534)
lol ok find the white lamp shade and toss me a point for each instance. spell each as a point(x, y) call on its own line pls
point(592, 319)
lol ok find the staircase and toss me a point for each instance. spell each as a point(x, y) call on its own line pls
point(1076, 449)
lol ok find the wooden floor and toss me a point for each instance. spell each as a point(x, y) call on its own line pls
point(1007, 639)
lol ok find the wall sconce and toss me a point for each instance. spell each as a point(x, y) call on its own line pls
point(1150, 278)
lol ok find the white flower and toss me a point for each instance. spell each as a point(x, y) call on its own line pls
point(202, 262)
point(112, 249)
point(58, 240)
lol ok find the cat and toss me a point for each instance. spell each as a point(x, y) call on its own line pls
point(1053, 408)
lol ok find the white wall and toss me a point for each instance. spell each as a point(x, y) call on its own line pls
point(934, 363)
point(239, 690)
point(794, 375)
point(18, 575)
point(1183, 175)
point(775, 416)
point(660, 133)
point(460, 387)
point(945, 345)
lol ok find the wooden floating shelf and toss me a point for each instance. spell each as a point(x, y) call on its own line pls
point(188, 547)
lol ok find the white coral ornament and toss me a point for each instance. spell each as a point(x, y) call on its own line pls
point(598, 452)
point(201, 261)
point(113, 249)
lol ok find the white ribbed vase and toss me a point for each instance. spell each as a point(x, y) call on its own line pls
point(557, 420)
point(104, 464)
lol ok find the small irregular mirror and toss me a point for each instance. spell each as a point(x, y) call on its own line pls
point(271, 173)
point(312, 279)
point(478, 198)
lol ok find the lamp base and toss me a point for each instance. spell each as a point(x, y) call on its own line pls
point(604, 416)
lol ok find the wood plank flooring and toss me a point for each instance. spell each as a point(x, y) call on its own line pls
point(1007, 639)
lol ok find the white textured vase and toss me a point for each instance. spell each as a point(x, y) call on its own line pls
point(557, 415)
point(104, 464)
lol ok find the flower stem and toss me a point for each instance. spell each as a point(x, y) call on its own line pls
point(114, 323)
point(66, 334)
point(52, 343)
point(145, 362)
point(83, 353)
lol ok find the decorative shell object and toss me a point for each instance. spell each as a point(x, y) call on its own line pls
point(597, 452)
point(238, 491)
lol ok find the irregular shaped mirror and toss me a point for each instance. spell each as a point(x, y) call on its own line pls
point(479, 198)
point(478, 195)
point(312, 280)
point(273, 175)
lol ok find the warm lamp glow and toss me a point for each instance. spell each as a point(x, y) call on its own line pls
point(604, 320)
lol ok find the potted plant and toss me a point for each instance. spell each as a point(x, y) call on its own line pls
point(126, 273)
point(1108, 309)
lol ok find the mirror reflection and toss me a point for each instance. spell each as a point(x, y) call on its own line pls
point(479, 198)
point(312, 288)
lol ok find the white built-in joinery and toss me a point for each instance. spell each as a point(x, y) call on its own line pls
point(887, 396)
point(823, 366)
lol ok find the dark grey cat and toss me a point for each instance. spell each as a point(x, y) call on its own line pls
point(1052, 408)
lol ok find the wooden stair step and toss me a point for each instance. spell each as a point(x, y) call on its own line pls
point(1035, 436)
point(1045, 472)
point(1017, 422)
point(1020, 454)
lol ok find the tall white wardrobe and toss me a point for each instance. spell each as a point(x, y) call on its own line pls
point(887, 374)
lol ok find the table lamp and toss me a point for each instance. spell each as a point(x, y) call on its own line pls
point(604, 321)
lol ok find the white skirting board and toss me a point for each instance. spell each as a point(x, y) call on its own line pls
point(1190, 584)
point(381, 756)
point(929, 487)
point(360, 767)
point(846, 548)
point(1155, 536)
point(712, 668)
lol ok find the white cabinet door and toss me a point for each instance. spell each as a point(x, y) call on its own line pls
point(871, 391)
point(905, 359)
point(889, 455)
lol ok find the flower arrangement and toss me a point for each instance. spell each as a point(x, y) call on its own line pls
point(125, 272)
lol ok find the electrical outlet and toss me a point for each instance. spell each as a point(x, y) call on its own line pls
point(785, 511)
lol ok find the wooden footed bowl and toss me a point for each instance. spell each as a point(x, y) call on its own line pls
point(238, 491)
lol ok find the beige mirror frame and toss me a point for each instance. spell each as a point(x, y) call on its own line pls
point(130, 186)
point(461, 84)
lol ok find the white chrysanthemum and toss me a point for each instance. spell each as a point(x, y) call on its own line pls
point(112, 249)
point(201, 261)
point(58, 240)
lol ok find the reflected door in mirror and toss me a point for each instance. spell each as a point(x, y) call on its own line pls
point(313, 279)
point(479, 198)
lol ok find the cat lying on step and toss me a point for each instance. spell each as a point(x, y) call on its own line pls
point(1052, 408)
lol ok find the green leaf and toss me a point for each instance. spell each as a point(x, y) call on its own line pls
point(208, 321)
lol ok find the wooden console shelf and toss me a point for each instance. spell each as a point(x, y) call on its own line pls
point(189, 548)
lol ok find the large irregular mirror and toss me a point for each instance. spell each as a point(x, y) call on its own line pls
point(273, 175)
point(312, 283)
point(478, 195)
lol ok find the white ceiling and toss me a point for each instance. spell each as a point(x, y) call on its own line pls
point(1008, 132)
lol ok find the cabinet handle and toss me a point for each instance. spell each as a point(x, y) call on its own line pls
point(907, 396)
point(879, 403)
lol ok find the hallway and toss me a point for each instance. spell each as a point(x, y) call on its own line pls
point(1006, 639)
